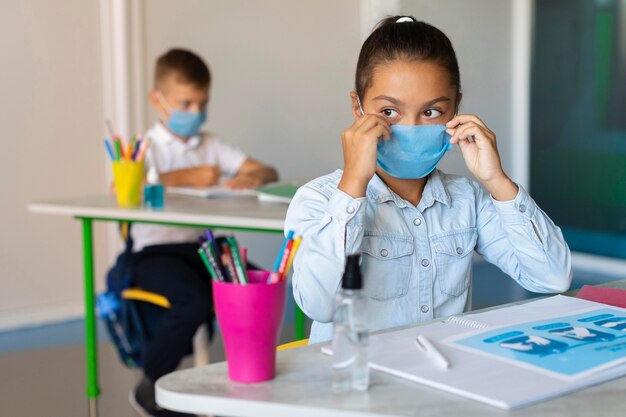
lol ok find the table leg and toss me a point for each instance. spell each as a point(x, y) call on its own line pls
point(91, 347)
point(299, 325)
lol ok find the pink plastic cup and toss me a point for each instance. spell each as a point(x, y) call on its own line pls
point(250, 317)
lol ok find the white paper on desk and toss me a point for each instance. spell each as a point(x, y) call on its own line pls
point(217, 191)
point(476, 376)
point(566, 346)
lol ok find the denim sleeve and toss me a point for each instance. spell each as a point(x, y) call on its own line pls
point(331, 224)
point(519, 238)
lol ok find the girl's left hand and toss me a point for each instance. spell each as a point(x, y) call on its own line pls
point(481, 154)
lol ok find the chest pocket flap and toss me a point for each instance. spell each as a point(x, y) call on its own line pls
point(387, 247)
point(386, 265)
point(453, 258)
point(459, 243)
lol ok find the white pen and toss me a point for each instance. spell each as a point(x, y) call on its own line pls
point(426, 346)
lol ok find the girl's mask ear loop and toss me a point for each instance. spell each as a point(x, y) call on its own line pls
point(358, 100)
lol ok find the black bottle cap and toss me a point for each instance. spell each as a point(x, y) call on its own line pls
point(352, 279)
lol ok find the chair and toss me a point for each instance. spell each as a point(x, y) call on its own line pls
point(293, 344)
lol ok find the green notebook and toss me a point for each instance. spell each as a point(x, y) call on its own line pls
point(278, 192)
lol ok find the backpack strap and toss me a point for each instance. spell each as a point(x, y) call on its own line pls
point(120, 276)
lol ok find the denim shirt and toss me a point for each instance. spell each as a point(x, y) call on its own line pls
point(417, 261)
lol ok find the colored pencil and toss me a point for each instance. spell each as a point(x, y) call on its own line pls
point(292, 255)
point(234, 252)
point(107, 145)
point(283, 261)
point(207, 264)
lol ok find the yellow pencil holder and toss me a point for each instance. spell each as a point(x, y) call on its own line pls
point(128, 176)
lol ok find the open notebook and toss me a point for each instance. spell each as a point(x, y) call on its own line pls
point(277, 192)
point(514, 356)
point(216, 191)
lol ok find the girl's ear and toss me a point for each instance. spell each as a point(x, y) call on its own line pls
point(356, 109)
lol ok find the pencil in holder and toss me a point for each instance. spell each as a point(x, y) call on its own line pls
point(128, 177)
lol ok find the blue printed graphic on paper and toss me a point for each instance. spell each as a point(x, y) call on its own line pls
point(567, 345)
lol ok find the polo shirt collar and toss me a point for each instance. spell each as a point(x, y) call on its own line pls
point(164, 136)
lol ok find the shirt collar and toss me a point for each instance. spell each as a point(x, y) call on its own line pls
point(435, 190)
point(161, 134)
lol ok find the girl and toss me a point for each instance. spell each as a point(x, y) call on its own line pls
point(415, 226)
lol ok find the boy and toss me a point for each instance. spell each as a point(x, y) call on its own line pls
point(166, 259)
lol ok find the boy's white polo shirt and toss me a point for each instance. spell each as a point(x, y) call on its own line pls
point(169, 153)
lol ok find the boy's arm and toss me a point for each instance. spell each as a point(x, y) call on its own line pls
point(252, 174)
point(202, 176)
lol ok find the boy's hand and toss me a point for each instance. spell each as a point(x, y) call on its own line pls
point(481, 155)
point(244, 181)
point(202, 176)
point(360, 151)
point(252, 174)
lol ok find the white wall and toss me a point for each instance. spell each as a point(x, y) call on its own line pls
point(51, 147)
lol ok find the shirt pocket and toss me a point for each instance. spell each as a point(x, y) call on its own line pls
point(386, 265)
point(453, 258)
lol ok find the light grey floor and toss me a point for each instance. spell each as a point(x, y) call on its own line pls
point(50, 382)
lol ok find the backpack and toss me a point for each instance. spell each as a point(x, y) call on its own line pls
point(128, 323)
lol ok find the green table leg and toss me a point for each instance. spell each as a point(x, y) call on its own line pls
point(91, 347)
point(300, 318)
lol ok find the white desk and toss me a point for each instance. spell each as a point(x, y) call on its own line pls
point(245, 213)
point(302, 388)
point(240, 213)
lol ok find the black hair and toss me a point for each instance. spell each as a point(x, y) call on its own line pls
point(186, 66)
point(410, 39)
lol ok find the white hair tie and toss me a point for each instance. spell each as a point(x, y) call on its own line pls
point(405, 19)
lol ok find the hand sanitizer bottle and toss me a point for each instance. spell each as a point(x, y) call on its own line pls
point(350, 336)
point(153, 190)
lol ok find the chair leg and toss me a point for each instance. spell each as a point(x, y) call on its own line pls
point(201, 346)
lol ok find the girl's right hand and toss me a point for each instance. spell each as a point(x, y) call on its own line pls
point(360, 151)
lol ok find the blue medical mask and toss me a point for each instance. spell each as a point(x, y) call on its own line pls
point(413, 151)
point(183, 123)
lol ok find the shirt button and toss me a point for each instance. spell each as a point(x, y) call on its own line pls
point(425, 263)
point(424, 308)
point(522, 208)
point(350, 209)
point(384, 253)
point(459, 251)
point(417, 221)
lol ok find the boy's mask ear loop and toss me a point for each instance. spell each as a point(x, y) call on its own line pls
point(164, 103)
